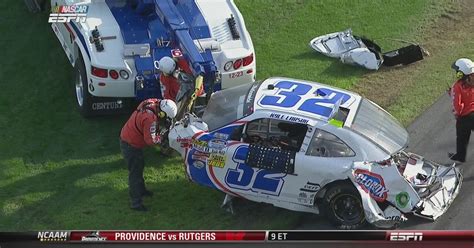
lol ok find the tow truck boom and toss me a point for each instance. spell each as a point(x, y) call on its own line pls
point(169, 15)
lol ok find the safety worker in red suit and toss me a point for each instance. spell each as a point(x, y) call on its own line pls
point(462, 94)
point(170, 69)
point(143, 128)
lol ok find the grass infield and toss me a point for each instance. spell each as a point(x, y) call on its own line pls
point(60, 171)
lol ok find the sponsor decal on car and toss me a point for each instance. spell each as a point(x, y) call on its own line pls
point(217, 144)
point(216, 160)
point(203, 146)
point(306, 198)
point(222, 136)
point(311, 187)
point(198, 164)
point(197, 155)
point(371, 183)
point(184, 142)
point(402, 199)
point(397, 218)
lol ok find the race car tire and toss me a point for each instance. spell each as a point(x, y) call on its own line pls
point(343, 206)
point(83, 97)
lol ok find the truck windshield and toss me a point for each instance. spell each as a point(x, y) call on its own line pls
point(380, 127)
point(228, 105)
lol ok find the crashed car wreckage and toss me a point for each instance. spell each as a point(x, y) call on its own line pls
point(310, 147)
point(355, 50)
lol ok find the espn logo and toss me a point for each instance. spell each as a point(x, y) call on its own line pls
point(406, 236)
point(64, 18)
point(67, 13)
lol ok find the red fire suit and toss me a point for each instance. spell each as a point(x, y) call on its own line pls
point(141, 129)
point(462, 95)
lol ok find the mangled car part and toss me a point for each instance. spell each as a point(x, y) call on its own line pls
point(427, 191)
point(363, 52)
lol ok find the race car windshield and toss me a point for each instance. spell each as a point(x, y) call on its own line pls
point(226, 106)
point(379, 126)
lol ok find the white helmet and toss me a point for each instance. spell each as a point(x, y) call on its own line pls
point(466, 66)
point(167, 65)
point(169, 107)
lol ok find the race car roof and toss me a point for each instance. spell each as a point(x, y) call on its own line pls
point(304, 98)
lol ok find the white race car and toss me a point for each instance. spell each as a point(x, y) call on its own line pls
point(310, 147)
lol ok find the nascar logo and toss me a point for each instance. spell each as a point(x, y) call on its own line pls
point(371, 183)
point(66, 13)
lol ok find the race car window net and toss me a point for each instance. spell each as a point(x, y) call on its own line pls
point(226, 106)
point(325, 144)
point(377, 125)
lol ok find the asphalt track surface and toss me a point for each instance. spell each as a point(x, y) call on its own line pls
point(432, 135)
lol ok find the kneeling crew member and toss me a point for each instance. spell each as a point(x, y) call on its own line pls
point(143, 129)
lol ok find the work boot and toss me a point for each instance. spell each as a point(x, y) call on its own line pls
point(140, 208)
point(456, 157)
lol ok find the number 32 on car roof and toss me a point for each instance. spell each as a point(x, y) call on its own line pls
point(318, 101)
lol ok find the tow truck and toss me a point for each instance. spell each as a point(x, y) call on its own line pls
point(115, 50)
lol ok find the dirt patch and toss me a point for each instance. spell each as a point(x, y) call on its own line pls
point(454, 26)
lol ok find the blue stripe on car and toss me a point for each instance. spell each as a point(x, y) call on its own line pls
point(81, 38)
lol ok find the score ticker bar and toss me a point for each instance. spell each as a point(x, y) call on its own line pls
point(174, 236)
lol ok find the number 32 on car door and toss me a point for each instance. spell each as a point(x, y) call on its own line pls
point(246, 178)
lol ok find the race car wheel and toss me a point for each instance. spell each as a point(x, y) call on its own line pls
point(83, 97)
point(343, 206)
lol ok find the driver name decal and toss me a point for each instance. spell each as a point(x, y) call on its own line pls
point(371, 183)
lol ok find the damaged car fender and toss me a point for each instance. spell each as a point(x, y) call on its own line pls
point(360, 51)
point(181, 134)
point(385, 197)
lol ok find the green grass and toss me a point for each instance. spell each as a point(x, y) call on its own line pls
point(281, 35)
point(60, 171)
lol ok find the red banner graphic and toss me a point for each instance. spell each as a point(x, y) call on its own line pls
point(166, 236)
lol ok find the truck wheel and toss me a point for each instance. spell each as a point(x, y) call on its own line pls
point(83, 97)
point(343, 206)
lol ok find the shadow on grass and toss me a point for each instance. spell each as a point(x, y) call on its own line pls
point(312, 55)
